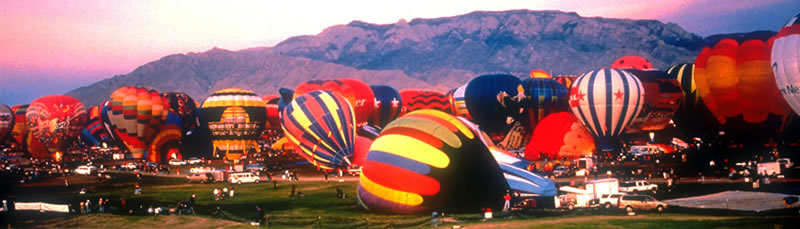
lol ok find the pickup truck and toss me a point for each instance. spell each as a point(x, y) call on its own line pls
point(637, 186)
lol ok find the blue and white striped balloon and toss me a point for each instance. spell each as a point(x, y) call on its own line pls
point(606, 101)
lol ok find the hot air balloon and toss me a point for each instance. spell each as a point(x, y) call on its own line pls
point(286, 97)
point(388, 105)
point(37, 150)
point(429, 160)
point(185, 107)
point(663, 96)
point(557, 135)
point(134, 116)
point(95, 129)
point(361, 149)
point(322, 124)
point(458, 103)
point(632, 62)
point(538, 73)
point(543, 96)
point(356, 92)
point(6, 121)
point(166, 145)
point(786, 62)
point(414, 99)
point(20, 131)
point(606, 101)
point(495, 102)
point(565, 80)
point(273, 115)
point(236, 118)
point(735, 82)
point(518, 178)
point(56, 120)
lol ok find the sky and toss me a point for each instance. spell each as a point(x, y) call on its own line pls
point(53, 46)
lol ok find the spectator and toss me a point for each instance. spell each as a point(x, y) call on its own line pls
point(507, 204)
point(216, 194)
point(88, 206)
point(231, 192)
point(150, 210)
point(193, 199)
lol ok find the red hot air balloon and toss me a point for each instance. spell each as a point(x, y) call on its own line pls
point(557, 135)
point(538, 73)
point(273, 115)
point(414, 99)
point(135, 117)
point(735, 81)
point(56, 120)
point(634, 62)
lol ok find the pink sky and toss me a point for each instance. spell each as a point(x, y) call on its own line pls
point(94, 39)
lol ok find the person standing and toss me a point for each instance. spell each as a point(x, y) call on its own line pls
point(507, 204)
point(224, 192)
point(193, 199)
point(216, 193)
point(231, 192)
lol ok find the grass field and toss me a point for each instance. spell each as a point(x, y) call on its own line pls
point(319, 207)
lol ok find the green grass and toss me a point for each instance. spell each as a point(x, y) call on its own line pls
point(321, 207)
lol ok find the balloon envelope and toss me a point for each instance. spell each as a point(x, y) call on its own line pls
point(632, 62)
point(388, 105)
point(426, 161)
point(606, 101)
point(558, 135)
point(185, 107)
point(322, 124)
point(20, 131)
point(786, 62)
point(736, 83)
point(6, 121)
point(495, 102)
point(135, 116)
point(663, 96)
point(414, 99)
point(56, 120)
point(236, 118)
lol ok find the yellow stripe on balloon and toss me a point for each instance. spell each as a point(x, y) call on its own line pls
point(428, 126)
point(449, 118)
point(401, 197)
point(415, 149)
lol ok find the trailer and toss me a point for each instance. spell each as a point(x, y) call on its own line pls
point(769, 168)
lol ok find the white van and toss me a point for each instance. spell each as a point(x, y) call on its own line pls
point(238, 178)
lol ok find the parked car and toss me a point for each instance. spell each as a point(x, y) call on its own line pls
point(640, 202)
point(151, 165)
point(199, 178)
point(239, 178)
point(609, 200)
point(254, 167)
point(637, 186)
point(130, 165)
point(201, 169)
point(194, 160)
point(177, 162)
point(86, 170)
point(561, 171)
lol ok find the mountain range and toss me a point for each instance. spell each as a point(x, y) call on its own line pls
point(437, 54)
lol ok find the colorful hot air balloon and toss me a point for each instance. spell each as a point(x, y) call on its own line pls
point(565, 80)
point(361, 149)
point(356, 92)
point(95, 127)
point(606, 101)
point(429, 160)
point(692, 113)
point(557, 135)
point(786, 62)
point(663, 96)
point(6, 121)
point(20, 131)
point(236, 118)
point(135, 116)
point(735, 81)
point(56, 120)
point(458, 103)
point(538, 73)
point(388, 105)
point(543, 96)
point(185, 107)
point(322, 124)
point(168, 140)
point(37, 150)
point(414, 99)
point(632, 62)
point(495, 102)
point(519, 179)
